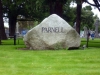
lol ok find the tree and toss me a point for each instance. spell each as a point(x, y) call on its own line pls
point(2, 29)
point(56, 6)
point(1, 20)
point(78, 18)
point(87, 18)
point(69, 14)
point(78, 14)
point(13, 8)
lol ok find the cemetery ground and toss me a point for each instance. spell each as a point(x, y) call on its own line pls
point(14, 61)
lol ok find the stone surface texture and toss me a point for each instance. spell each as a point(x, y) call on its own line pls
point(52, 33)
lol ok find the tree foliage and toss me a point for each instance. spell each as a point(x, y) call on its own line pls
point(87, 17)
point(69, 14)
point(29, 9)
point(39, 9)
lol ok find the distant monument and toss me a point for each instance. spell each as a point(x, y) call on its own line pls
point(85, 31)
point(96, 24)
point(52, 33)
point(17, 29)
point(74, 26)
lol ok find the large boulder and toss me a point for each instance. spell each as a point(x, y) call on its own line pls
point(52, 33)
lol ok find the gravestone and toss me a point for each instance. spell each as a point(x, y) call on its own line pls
point(85, 31)
point(17, 29)
point(96, 27)
point(52, 33)
point(74, 26)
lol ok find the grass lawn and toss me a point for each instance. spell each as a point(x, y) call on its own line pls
point(50, 62)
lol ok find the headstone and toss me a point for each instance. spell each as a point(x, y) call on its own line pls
point(52, 33)
point(7, 32)
point(96, 27)
point(74, 26)
point(17, 29)
point(85, 31)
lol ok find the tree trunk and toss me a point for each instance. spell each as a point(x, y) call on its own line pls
point(2, 29)
point(12, 25)
point(78, 19)
point(58, 8)
point(51, 7)
point(1, 20)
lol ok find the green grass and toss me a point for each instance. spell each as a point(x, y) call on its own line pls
point(91, 43)
point(19, 41)
point(49, 62)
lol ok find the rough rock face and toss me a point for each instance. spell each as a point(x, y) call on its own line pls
point(52, 33)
